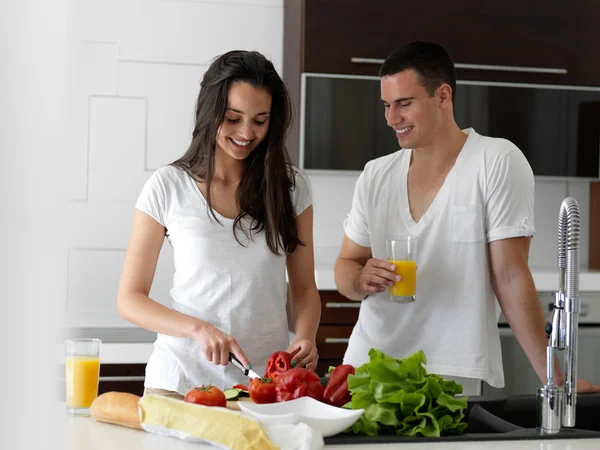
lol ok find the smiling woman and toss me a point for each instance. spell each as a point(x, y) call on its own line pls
point(238, 215)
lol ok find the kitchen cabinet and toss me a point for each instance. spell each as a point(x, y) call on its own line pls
point(122, 378)
point(338, 316)
point(113, 377)
point(556, 38)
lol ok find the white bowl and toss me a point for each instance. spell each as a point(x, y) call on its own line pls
point(329, 420)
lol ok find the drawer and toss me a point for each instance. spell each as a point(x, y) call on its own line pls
point(337, 309)
point(332, 341)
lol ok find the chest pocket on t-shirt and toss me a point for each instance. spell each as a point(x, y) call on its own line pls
point(467, 224)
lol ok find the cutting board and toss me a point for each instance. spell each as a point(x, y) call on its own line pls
point(236, 403)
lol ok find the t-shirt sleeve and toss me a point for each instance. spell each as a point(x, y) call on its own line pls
point(356, 225)
point(510, 197)
point(302, 192)
point(153, 199)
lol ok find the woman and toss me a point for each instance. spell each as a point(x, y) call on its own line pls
point(236, 214)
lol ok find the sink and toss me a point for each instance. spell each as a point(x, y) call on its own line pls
point(513, 418)
point(521, 411)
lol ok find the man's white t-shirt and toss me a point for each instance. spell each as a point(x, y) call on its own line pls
point(488, 195)
point(239, 289)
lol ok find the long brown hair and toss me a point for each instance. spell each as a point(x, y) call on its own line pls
point(263, 194)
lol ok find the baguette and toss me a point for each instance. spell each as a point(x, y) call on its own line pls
point(120, 408)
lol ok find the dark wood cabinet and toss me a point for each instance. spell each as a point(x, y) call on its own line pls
point(548, 42)
point(113, 377)
point(338, 317)
point(122, 378)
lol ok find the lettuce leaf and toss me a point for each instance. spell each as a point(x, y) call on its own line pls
point(400, 397)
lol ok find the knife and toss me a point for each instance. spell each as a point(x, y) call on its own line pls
point(237, 363)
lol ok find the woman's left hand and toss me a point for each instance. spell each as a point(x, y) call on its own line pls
point(304, 352)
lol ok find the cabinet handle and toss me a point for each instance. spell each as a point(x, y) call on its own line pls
point(337, 340)
point(129, 378)
point(479, 66)
point(342, 305)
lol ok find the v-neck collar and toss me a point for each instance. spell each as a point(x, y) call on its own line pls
point(413, 227)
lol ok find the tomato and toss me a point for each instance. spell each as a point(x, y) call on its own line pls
point(206, 395)
point(262, 390)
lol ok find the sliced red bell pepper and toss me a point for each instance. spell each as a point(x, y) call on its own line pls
point(336, 392)
point(243, 387)
point(296, 383)
point(278, 363)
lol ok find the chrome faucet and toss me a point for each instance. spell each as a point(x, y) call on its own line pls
point(556, 405)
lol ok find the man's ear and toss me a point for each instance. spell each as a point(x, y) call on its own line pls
point(445, 92)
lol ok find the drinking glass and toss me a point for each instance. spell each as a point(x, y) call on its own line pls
point(402, 252)
point(82, 372)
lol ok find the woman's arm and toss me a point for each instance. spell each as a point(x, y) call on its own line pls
point(137, 307)
point(305, 300)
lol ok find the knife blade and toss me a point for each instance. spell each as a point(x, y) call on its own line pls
point(237, 363)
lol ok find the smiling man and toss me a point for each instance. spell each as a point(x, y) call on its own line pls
point(469, 201)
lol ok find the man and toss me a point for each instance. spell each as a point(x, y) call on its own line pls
point(469, 200)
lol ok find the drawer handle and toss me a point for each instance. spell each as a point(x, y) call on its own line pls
point(337, 340)
point(342, 305)
point(479, 67)
point(130, 378)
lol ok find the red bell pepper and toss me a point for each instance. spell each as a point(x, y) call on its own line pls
point(278, 363)
point(336, 392)
point(296, 383)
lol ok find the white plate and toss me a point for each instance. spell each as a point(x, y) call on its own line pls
point(329, 420)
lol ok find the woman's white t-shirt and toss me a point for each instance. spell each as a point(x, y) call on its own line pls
point(488, 195)
point(240, 289)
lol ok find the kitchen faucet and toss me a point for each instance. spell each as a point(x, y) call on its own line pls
point(556, 405)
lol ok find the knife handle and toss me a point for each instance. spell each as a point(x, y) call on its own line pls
point(236, 362)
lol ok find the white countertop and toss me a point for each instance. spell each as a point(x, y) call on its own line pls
point(85, 433)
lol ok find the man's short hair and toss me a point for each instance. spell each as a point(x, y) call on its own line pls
point(431, 61)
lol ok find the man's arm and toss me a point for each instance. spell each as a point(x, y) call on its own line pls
point(516, 293)
point(358, 274)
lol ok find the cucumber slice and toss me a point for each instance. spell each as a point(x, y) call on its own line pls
point(232, 394)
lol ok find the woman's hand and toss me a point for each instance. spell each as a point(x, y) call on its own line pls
point(304, 352)
point(216, 345)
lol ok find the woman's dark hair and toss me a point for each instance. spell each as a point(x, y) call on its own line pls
point(432, 62)
point(263, 194)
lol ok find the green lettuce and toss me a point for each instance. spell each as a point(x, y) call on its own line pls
point(399, 396)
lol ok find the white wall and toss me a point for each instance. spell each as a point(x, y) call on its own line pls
point(134, 69)
point(32, 90)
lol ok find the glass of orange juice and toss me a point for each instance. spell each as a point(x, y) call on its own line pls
point(402, 252)
point(82, 371)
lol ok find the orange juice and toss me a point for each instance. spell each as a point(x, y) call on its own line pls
point(82, 374)
point(408, 285)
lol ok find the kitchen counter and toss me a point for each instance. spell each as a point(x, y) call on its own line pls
point(85, 433)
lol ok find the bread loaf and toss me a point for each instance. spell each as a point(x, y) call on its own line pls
point(198, 423)
point(120, 408)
